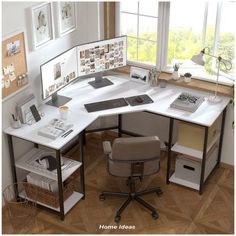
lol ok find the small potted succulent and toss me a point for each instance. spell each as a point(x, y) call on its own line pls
point(175, 74)
point(187, 77)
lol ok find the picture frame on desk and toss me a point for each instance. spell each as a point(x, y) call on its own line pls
point(139, 75)
point(42, 25)
point(65, 18)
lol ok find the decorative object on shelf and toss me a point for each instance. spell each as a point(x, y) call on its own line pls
point(14, 63)
point(198, 59)
point(154, 76)
point(65, 17)
point(139, 75)
point(187, 77)
point(175, 74)
point(42, 25)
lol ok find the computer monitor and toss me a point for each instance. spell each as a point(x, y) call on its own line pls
point(83, 60)
point(56, 74)
point(98, 57)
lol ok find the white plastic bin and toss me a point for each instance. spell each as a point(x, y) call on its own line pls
point(190, 169)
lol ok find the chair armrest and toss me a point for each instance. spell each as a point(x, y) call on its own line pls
point(107, 147)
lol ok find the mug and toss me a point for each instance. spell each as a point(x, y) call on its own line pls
point(63, 110)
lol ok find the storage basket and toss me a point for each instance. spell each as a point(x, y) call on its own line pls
point(45, 196)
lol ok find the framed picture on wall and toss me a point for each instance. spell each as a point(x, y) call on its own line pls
point(65, 17)
point(42, 25)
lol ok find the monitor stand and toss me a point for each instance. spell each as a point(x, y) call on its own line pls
point(58, 100)
point(100, 82)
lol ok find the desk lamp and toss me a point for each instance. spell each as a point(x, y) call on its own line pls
point(198, 59)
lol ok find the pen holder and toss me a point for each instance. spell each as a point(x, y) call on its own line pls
point(15, 124)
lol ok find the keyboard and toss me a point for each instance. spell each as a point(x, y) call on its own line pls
point(104, 105)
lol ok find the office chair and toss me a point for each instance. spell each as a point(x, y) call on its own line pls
point(133, 158)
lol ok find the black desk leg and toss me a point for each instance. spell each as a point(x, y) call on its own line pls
point(84, 138)
point(60, 189)
point(204, 154)
point(221, 136)
point(81, 154)
point(119, 125)
point(12, 160)
point(169, 150)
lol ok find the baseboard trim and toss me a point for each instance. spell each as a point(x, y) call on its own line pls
point(226, 166)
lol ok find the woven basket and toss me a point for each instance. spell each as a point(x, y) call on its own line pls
point(45, 196)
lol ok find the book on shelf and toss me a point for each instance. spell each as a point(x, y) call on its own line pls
point(42, 182)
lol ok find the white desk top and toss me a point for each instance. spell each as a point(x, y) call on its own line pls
point(82, 93)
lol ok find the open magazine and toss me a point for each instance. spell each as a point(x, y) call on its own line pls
point(54, 128)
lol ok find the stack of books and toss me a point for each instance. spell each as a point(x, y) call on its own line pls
point(42, 182)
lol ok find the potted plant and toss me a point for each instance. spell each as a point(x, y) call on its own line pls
point(187, 77)
point(175, 74)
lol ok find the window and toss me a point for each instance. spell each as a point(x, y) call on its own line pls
point(209, 25)
point(167, 32)
point(138, 21)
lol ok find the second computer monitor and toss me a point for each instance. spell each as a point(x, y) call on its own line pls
point(101, 56)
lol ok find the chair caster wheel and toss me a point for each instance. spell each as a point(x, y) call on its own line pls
point(102, 197)
point(159, 193)
point(155, 215)
point(117, 219)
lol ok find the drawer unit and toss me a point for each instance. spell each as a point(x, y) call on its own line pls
point(192, 136)
point(189, 169)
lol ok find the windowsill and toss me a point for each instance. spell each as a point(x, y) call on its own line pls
point(195, 83)
point(199, 73)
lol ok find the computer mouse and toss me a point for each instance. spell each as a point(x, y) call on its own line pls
point(138, 99)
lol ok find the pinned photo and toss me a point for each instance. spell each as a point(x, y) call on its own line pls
point(12, 76)
point(106, 48)
point(13, 48)
point(7, 83)
point(86, 53)
point(3, 83)
point(57, 70)
point(82, 54)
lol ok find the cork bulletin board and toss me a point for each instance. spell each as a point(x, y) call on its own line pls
point(14, 64)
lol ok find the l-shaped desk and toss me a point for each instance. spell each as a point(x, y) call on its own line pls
point(82, 93)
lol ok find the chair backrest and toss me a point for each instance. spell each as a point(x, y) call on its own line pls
point(136, 156)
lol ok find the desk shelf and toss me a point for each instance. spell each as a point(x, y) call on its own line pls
point(183, 182)
point(26, 162)
point(68, 203)
point(193, 152)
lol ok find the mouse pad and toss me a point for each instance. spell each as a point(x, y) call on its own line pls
point(139, 100)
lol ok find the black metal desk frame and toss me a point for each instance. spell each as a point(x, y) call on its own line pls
point(82, 138)
point(171, 125)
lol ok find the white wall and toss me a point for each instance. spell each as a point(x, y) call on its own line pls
point(14, 17)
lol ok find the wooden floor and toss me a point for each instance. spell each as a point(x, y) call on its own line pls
point(181, 210)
